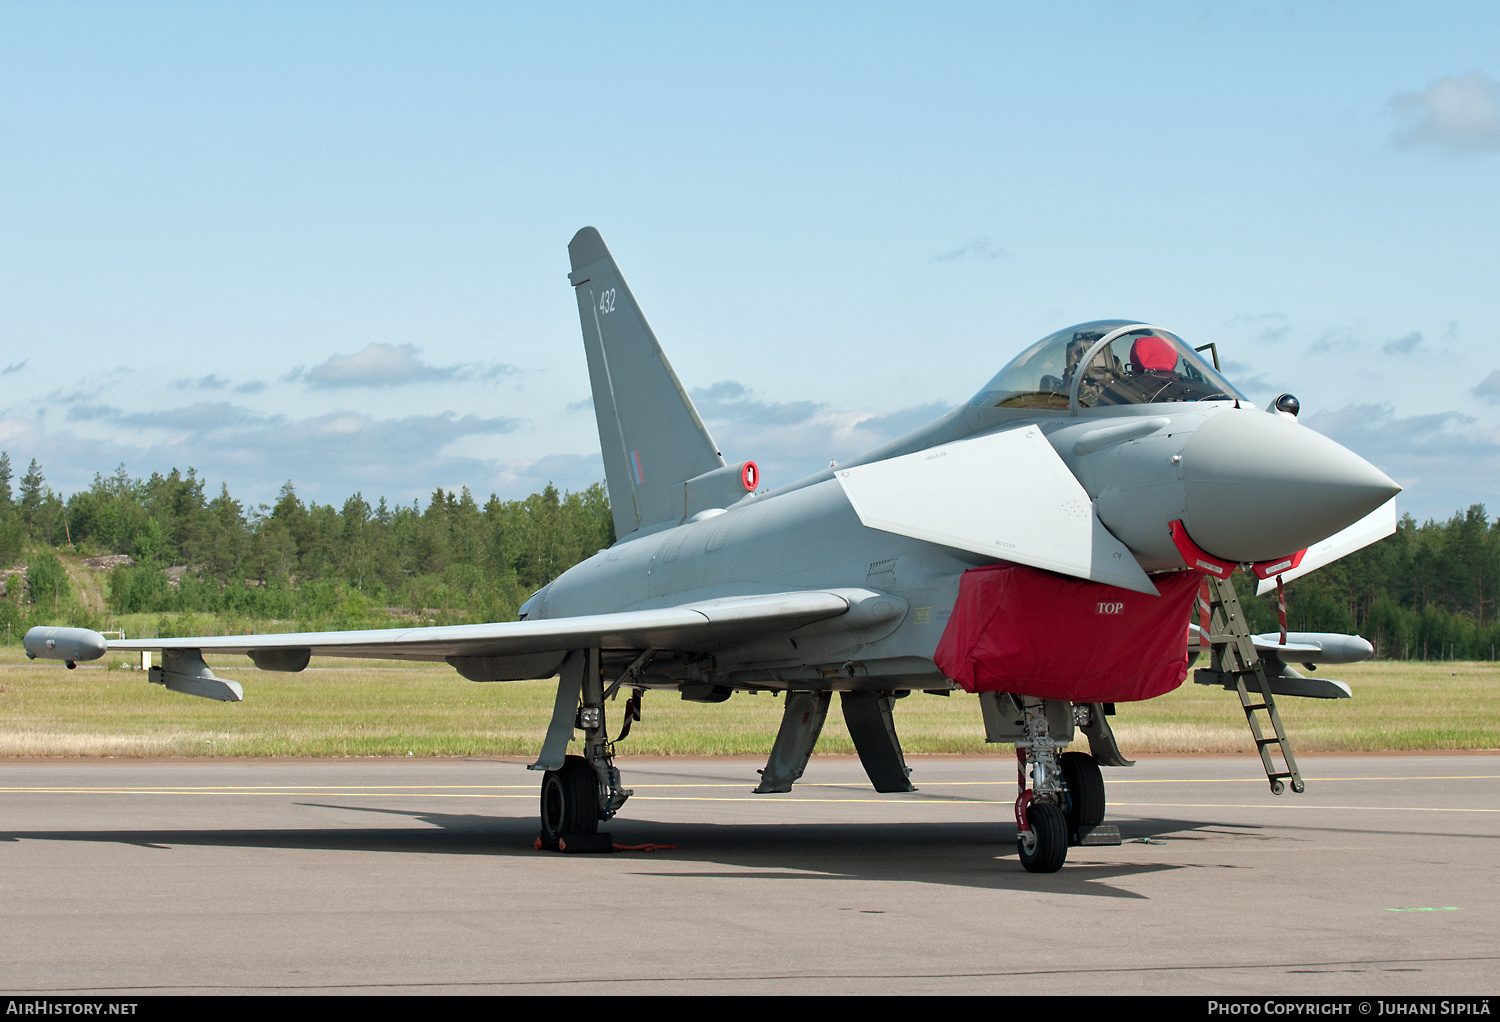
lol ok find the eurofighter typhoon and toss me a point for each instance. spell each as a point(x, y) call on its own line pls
point(1045, 546)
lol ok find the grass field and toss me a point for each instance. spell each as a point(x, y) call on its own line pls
point(377, 708)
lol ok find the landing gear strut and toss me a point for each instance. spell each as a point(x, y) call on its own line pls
point(1041, 826)
point(579, 791)
point(1063, 804)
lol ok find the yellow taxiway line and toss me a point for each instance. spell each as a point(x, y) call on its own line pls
point(402, 789)
point(477, 791)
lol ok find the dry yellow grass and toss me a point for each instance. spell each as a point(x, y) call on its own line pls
point(364, 708)
point(1396, 705)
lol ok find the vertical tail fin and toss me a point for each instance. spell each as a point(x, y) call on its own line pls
point(651, 436)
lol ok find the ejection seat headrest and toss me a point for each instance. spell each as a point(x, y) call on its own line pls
point(1153, 352)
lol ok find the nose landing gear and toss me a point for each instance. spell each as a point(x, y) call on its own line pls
point(1041, 827)
point(1064, 803)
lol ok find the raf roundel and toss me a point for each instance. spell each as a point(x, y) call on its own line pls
point(750, 476)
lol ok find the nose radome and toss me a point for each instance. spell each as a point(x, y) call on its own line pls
point(1259, 487)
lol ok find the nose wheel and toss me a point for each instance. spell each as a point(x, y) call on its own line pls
point(1044, 847)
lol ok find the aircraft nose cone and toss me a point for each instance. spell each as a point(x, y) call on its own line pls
point(1259, 487)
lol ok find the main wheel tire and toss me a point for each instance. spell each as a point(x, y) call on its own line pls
point(1085, 785)
point(570, 801)
point(1048, 848)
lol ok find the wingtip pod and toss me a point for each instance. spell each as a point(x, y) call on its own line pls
point(66, 644)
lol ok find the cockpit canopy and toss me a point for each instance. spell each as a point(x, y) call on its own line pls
point(1141, 366)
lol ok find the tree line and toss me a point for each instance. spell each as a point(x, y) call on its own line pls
point(176, 551)
point(1428, 592)
point(1431, 591)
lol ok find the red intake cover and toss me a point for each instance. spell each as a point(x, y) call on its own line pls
point(1030, 632)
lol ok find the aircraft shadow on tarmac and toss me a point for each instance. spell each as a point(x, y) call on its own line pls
point(976, 855)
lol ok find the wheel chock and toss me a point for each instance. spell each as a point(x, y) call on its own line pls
point(577, 844)
point(1103, 834)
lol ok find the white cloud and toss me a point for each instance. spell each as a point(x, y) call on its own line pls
point(565, 471)
point(732, 401)
point(331, 455)
point(793, 439)
point(201, 418)
point(1488, 389)
point(1460, 113)
point(978, 248)
point(389, 365)
point(1335, 341)
point(1267, 327)
point(1445, 461)
point(327, 456)
point(1403, 345)
point(213, 381)
point(1246, 379)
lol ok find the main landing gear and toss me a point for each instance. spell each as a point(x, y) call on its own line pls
point(570, 804)
point(580, 791)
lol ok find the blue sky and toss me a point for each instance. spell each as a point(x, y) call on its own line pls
point(328, 242)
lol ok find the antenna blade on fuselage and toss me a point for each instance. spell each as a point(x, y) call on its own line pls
point(1007, 495)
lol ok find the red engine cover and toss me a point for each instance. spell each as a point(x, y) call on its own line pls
point(1030, 632)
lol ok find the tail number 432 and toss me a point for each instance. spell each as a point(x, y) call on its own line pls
point(607, 301)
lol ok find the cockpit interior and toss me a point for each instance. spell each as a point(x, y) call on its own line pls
point(1108, 362)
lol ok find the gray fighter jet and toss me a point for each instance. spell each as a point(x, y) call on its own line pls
point(1042, 545)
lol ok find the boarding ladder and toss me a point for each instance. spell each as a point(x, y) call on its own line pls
point(1232, 652)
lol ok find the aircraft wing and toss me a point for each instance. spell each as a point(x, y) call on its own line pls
point(1375, 526)
point(691, 627)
